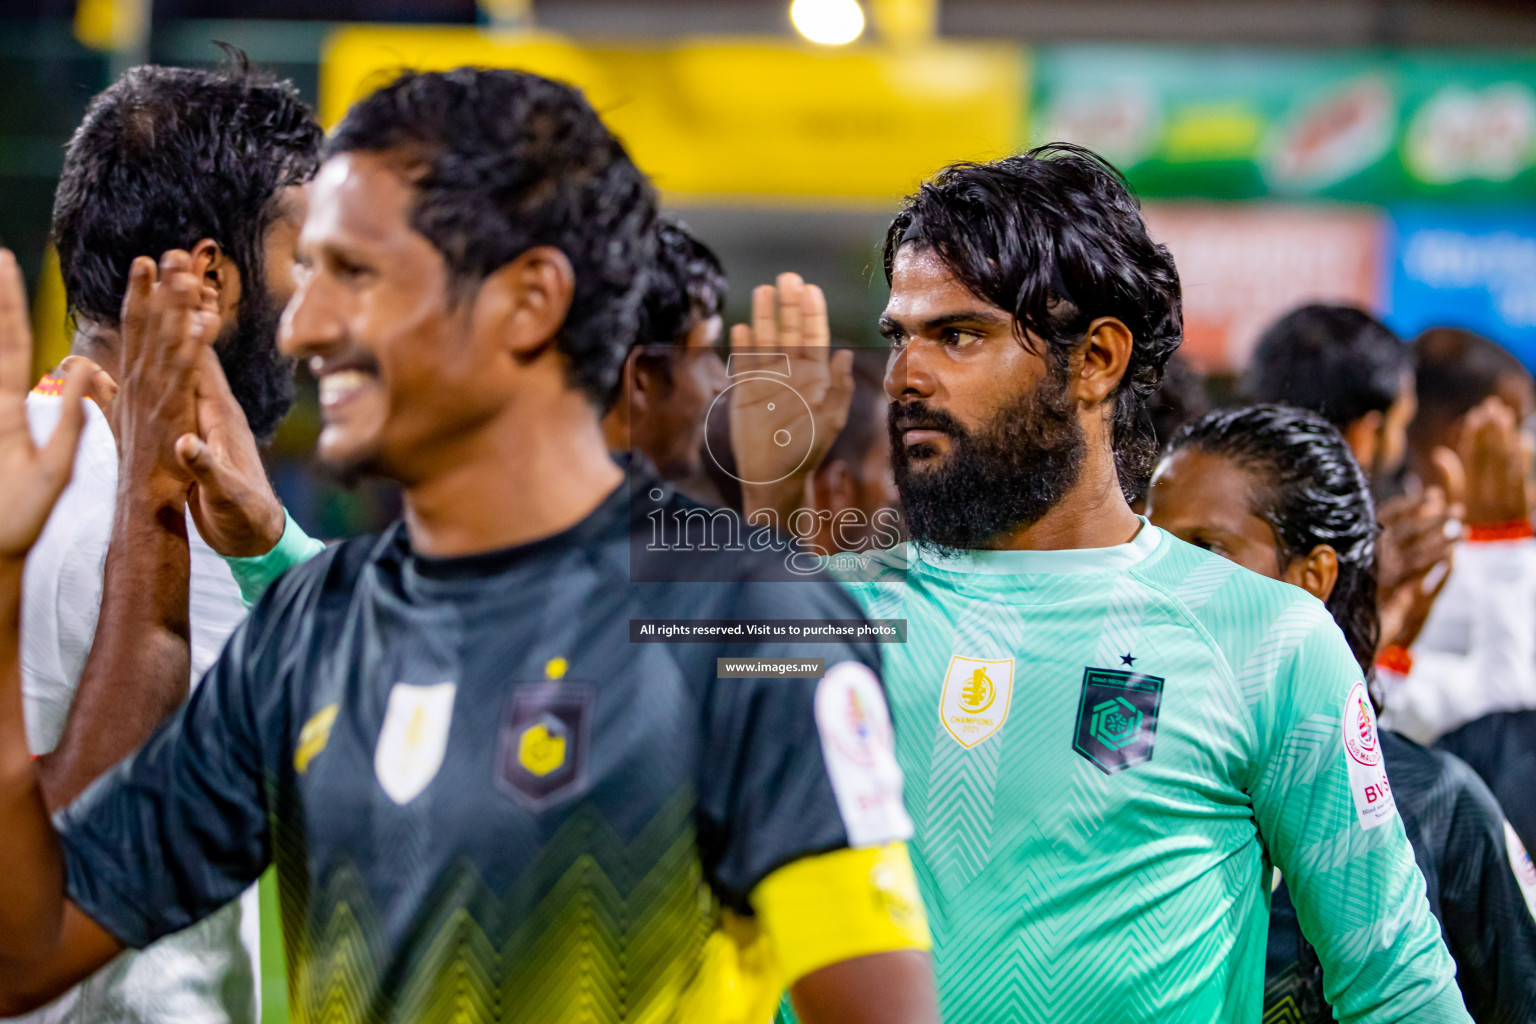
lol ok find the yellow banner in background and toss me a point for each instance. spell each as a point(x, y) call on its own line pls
point(733, 119)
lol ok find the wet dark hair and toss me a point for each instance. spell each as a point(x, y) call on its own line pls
point(166, 157)
point(1310, 490)
point(688, 285)
point(1056, 238)
point(503, 161)
point(1338, 361)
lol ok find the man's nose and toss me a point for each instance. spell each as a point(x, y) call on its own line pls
point(908, 375)
point(308, 326)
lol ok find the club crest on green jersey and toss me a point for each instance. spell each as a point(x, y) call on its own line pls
point(413, 739)
point(1117, 718)
point(976, 697)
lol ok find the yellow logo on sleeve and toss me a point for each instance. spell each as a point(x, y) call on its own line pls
point(313, 737)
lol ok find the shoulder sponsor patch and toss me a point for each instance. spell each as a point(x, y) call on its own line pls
point(541, 756)
point(1524, 869)
point(1117, 718)
point(413, 739)
point(1368, 783)
point(977, 695)
point(859, 747)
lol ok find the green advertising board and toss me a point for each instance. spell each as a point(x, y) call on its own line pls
point(1242, 124)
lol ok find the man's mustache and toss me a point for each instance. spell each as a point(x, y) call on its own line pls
point(918, 415)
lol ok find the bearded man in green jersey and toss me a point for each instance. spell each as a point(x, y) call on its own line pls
point(1110, 737)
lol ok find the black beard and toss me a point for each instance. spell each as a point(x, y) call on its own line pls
point(998, 478)
point(259, 377)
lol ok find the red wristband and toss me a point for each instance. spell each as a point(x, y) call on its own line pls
point(1515, 529)
point(1395, 659)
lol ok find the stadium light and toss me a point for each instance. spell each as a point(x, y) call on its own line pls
point(829, 22)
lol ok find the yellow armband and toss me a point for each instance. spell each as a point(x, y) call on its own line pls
point(810, 913)
point(837, 906)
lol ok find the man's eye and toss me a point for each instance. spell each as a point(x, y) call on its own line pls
point(349, 271)
point(896, 338)
point(959, 338)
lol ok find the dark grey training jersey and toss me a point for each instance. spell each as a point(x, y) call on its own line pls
point(482, 798)
point(1501, 748)
point(1462, 847)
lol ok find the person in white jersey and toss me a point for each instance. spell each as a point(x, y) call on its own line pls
point(214, 163)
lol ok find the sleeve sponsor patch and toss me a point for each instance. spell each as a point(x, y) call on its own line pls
point(1362, 752)
point(1525, 870)
point(859, 747)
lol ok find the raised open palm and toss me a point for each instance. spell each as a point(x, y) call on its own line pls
point(31, 477)
point(790, 395)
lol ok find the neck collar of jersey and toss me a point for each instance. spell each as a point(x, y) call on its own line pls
point(1115, 558)
point(613, 509)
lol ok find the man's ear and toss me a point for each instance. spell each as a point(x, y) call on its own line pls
point(1316, 573)
point(1105, 355)
point(832, 487)
point(222, 285)
point(524, 303)
point(639, 384)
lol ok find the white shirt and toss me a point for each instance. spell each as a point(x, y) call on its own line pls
point(208, 974)
point(1477, 651)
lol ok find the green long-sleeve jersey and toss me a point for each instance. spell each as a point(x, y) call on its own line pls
point(1106, 751)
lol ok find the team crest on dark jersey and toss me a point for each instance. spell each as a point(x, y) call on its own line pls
point(1117, 718)
point(542, 750)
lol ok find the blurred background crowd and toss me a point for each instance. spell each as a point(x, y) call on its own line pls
point(1376, 153)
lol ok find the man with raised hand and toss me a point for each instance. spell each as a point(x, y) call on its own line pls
point(212, 163)
point(484, 802)
point(46, 944)
point(1109, 736)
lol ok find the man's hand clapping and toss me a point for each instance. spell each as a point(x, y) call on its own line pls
point(165, 334)
point(31, 478)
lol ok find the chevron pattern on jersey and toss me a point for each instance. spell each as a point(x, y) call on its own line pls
point(1121, 624)
point(1058, 893)
point(1283, 633)
point(1203, 582)
point(961, 794)
point(1282, 1001)
point(1307, 749)
point(962, 782)
point(596, 930)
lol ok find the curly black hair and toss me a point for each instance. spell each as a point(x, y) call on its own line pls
point(689, 285)
point(1338, 361)
point(503, 161)
point(168, 156)
point(1310, 490)
point(1055, 237)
